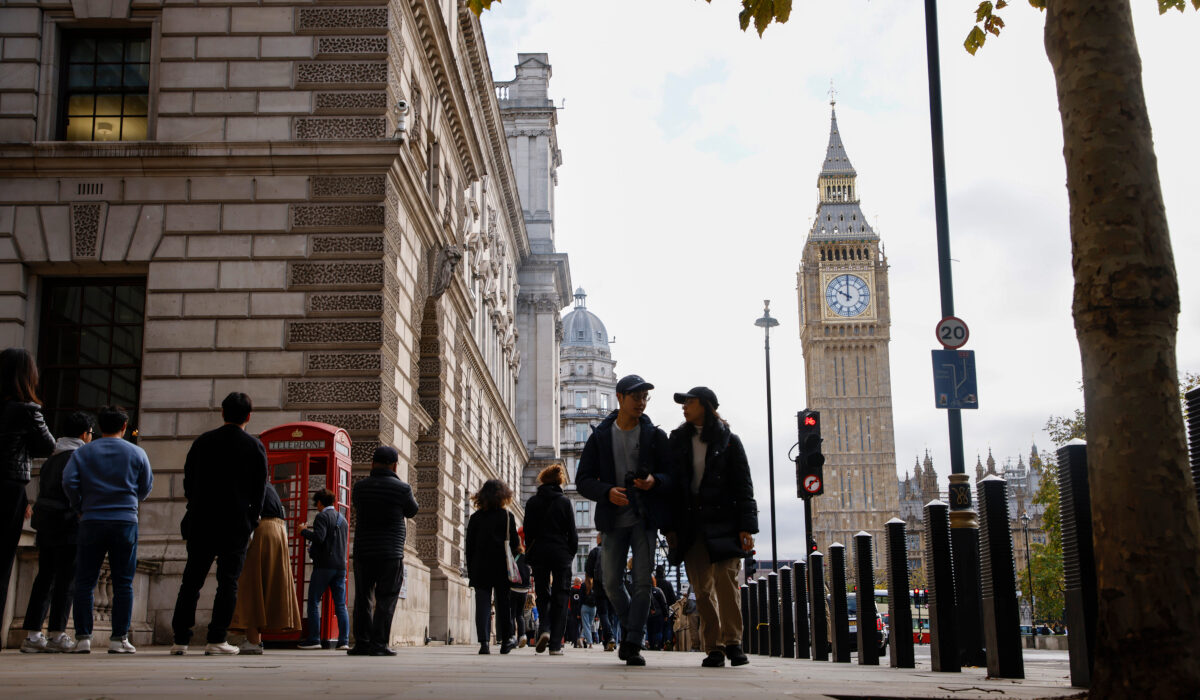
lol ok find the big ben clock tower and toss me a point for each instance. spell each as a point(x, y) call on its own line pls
point(845, 322)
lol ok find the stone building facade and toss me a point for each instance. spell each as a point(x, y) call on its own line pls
point(845, 328)
point(312, 203)
point(589, 394)
point(915, 491)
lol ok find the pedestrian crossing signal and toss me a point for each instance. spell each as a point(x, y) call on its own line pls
point(810, 462)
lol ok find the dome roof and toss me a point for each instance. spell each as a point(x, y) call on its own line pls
point(582, 328)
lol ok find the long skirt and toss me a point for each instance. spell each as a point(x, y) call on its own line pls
point(267, 590)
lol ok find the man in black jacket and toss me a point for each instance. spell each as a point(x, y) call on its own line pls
point(327, 548)
point(381, 501)
point(625, 467)
point(56, 526)
point(223, 480)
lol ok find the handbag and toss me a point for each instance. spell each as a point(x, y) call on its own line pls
point(514, 572)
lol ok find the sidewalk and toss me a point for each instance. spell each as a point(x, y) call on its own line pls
point(459, 672)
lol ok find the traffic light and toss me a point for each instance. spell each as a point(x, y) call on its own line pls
point(810, 463)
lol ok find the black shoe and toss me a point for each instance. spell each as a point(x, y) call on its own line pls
point(383, 651)
point(358, 650)
point(737, 657)
point(483, 649)
point(542, 642)
point(715, 659)
point(505, 648)
point(634, 657)
point(622, 651)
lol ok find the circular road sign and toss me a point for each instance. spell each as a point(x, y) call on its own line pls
point(812, 483)
point(952, 332)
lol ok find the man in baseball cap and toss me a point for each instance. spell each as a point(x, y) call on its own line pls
point(626, 468)
point(382, 501)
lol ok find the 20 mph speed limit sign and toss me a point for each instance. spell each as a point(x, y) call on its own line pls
point(952, 332)
point(812, 483)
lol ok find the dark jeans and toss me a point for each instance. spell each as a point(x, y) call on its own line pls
point(633, 606)
point(552, 585)
point(230, 556)
point(483, 612)
point(516, 612)
point(335, 581)
point(604, 612)
point(383, 577)
point(655, 625)
point(52, 588)
point(118, 540)
point(12, 518)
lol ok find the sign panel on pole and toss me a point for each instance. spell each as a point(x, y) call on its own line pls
point(954, 384)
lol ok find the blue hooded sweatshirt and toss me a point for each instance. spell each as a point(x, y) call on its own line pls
point(106, 478)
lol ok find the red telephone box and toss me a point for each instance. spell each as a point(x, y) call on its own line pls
point(304, 458)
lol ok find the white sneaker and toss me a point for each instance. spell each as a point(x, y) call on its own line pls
point(34, 646)
point(121, 646)
point(343, 647)
point(83, 645)
point(248, 649)
point(220, 649)
point(60, 643)
point(178, 649)
point(310, 646)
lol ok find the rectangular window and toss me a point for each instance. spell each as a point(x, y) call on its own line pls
point(603, 402)
point(105, 83)
point(583, 515)
point(581, 559)
point(581, 433)
point(90, 345)
point(581, 399)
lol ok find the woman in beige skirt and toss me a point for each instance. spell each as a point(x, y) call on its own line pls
point(266, 589)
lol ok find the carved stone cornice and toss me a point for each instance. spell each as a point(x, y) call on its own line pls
point(435, 40)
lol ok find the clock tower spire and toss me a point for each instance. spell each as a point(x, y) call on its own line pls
point(845, 324)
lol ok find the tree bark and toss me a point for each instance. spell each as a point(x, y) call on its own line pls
point(1126, 308)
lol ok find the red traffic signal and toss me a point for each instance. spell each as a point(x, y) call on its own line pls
point(810, 420)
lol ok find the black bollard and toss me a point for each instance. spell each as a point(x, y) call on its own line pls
point(764, 619)
point(998, 592)
point(787, 610)
point(752, 640)
point(1079, 561)
point(1193, 428)
point(745, 617)
point(819, 633)
point(939, 572)
point(900, 646)
point(773, 616)
point(868, 629)
point(801, 611)
point(839, 607)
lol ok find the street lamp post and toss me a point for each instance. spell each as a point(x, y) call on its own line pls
point(767, 323)
point(1028, 567)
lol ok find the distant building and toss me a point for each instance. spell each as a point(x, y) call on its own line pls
point(915, 492)
point(588, 380)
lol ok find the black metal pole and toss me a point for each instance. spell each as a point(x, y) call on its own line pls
point(767, 323)
point(963, 520)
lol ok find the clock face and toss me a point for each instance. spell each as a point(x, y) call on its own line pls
point(847, 295)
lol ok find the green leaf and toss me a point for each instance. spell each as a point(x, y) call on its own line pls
point(974, 40)
point(1039, 4)
point(984, 11)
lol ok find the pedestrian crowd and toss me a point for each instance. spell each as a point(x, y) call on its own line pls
point(693, 485)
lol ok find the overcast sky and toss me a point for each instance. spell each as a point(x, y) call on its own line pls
point(690, 157)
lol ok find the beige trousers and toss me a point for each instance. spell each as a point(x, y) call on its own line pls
point(718, 598)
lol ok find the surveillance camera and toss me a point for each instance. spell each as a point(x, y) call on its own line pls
point(402, 106)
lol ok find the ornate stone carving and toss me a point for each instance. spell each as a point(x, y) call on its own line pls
point(351, 102)
point(348, 187)
point(336, 274)
point(315, 128)
point(349, 73)
point(344, 362)
point(352, 20)
point(361, 451)
point(337, 216)
point(85, 229)
point(332, 391)
point(343, 245)
point(447, 259)
point(345, 302)
point(339, 332)
point(351, 45)
point(353, 422)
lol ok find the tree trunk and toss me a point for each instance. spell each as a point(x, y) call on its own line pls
point(1126, 306)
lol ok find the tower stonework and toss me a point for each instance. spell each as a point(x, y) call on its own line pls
point(845, 322)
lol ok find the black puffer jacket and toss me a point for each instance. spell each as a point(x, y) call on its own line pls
point(597, 474)
point(23, 436)
point(550, 535)
point(725, 505)
point(381, 503)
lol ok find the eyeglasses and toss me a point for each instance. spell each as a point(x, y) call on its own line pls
point(641, 396)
